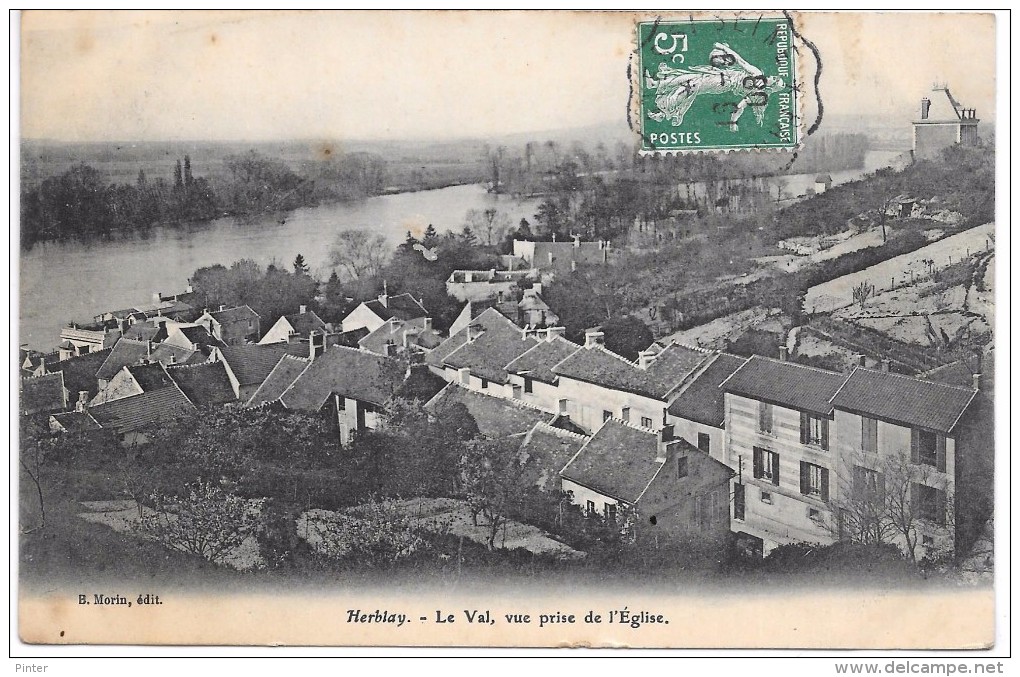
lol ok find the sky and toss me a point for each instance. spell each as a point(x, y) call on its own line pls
point(102, 76)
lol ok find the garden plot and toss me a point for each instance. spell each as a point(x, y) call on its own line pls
point(445, 516)
point(714, 334)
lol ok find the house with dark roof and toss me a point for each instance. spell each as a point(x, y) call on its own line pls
point(204, 384)
point(124, 353)
point(232, 326)
point(943, 122)
point(562, 257)
point(781, 442)
point(279, 379)
point(43, 394)
point(495, 416)
point(505, 306)
point(133, 380)
point(410, 338)
point(80, 373)
point(478, 285)
point(660, 487)
point(532, 380)
point(249, 365)
point(891, 423)
point(550, 448)
point(372, 314)
point(169, 354)
point(297, 325)
point(73, 422)
point(193, 337)
point(130, 416)
point(476, 357)
point(595, 384)
point(697, 408)
point(352, 385)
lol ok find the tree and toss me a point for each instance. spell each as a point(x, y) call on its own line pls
point(300, 267)
point(374, 534)
point(205, 521)
point(491, 222)
point(188, 178)
point(357, 254)
point(627, 336)
point(494, 474)
point(862, 292)
point(178, 177)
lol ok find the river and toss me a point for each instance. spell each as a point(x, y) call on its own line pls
point(65, 281)
point(74, 281)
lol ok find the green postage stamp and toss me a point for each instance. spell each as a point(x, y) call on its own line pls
point(717, 85)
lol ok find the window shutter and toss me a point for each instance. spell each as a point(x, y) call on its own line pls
point(775, 469)
point(825, 434)
point(805, 427)
point(915, 445)
point(825, 485)
point(805, 481)
point(758, 469)
point(940, 452)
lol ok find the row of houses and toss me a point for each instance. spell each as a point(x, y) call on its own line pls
point(689, 442)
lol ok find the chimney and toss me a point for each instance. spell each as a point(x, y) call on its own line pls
point(303, 309)
point(666, 440)
point(189, 289)
point(594, 337)
point(311, 345)
point(222, 307)
point(388, 349)
point(577, 240)
point(173, 359)
point(554, 239)
point(645, 358)
point(885, 364)
point(156, 297)
point(427, 324)
point(537, 287)
point(976, 381)
point(384, 299)
point(553, 332)
point(573, 265)
point(499, 296)
point(862, 360)
point(83, 400)
point(148, 350)
point(550, 253)
point(925, 105)
point(784, 353)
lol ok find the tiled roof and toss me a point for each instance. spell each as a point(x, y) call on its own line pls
point(304, 323)
point(487, 355)
point(200, 336)
point(565, 252)
point(348, 372)
point(251, 364)
point(80, 372)
point(143, 331)
point(43, 394)
point(672, 365)
point(236, 314)
point(403, 306)
point(392, 332)
point(125, 353)
point(551, 449)
point(279, 379)
point(605, 368)
point(165, 351)
point(537, 362)
point(507, 308)
point(494, 416)
point(204, 384)
point(786, 384)
point(150, 376)
point(619, 461)
point(701, 399)
point(133, 413)
point(895, 397)
point(75, 421)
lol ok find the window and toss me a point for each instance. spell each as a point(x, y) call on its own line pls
point(485, 383)
point(562, 406)
point(341, 402)
point(517, 392)
point(681, 467)
point(928, 448)
point(814, 481)
point(738, 501)
point(606, 415)
point(764, 417)
point(766, 465)
point(251, 325)
point(591, 507)
point(766, 497)
point(625, 413)
point(869, 435)
point(930, 503)
point(815, 515)
point(705, 442)
point(646, 422)
point(814, 430)
point(528, 386)
point(868, 485)
point(611, 512)
point(465, 377)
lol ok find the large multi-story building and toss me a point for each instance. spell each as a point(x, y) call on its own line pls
point(943, 122)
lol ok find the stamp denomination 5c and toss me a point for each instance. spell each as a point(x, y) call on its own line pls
point(717, 85)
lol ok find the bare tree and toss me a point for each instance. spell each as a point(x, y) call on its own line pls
point(358, 253)
point(863, 292)
point(493, 223)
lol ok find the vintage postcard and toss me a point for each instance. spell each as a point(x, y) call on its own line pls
point(507, 329)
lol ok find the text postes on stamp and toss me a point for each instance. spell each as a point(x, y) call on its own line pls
point(717, 85)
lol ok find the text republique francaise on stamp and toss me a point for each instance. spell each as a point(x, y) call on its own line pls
point(717, 85)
